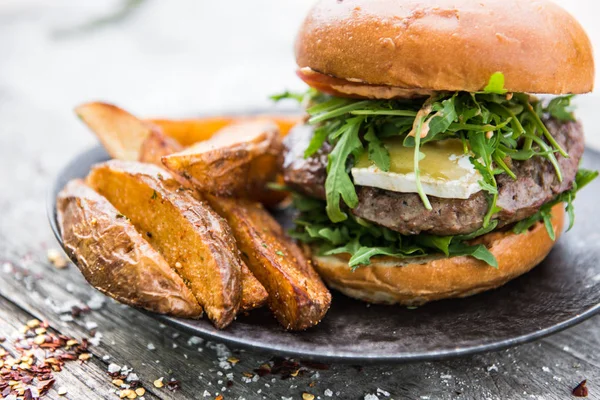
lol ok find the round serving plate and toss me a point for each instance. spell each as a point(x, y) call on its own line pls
point(562, 291)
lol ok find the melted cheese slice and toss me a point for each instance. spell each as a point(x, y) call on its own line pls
point(445, 170)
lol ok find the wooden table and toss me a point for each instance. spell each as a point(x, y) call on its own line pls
point(162, 58)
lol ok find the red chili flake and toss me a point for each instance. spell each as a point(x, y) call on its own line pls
point(263, 370)
point(75, 311)
point(6, 391)
point(27, 395)
point(173, 386)
point(285, 368)
point(229, 384)
point(581, 390)
point(43, 386)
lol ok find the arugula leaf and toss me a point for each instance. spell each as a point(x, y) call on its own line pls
point(338, 183)
point(377, 151)
point(496, 84)
point(288, 95)
point(478, 251)
point(316, 142)
point(560, 108)
point(442, 243)
point(583, 178)
point(417, 157)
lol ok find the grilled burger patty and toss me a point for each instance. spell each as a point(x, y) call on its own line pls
point(535, 185)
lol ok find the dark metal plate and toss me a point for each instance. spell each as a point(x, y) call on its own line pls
point(561, 292)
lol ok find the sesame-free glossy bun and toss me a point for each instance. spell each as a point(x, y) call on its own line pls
point(390, 280)
point(445, 45)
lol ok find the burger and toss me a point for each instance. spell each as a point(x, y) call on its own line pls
point(439, 153)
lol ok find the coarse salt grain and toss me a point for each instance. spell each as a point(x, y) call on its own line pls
point(113, 368)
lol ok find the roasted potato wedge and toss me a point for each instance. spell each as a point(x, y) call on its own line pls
point(297, 296)
point(121, 133)
point(185, 231)
point(115, 258)
point(190, 131)
point(156, 146)
point(254, 295)
point(238, 161)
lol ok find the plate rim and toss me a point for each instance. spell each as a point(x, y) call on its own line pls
point(344, 357)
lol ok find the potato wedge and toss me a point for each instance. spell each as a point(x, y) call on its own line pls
point(238, 161)
point(190, 131)
point(254, 295)
point(115, 259)
point(156, 146)
point(185, 231)
point(297, 296)
point(121, 133)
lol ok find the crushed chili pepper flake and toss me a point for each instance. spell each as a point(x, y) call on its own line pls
point(159, 382)
point(233, 360)
point(581, 390)
point(34, 323)
point(219, 397)
point(85, 356)
point(307, 396)
point(312, 384)
point(173, 385)
point(27, 395)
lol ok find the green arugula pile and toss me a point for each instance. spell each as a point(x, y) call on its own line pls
point(493, 126)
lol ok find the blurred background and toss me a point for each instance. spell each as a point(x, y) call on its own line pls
point(154, 58)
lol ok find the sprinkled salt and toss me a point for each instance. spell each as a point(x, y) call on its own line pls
point(113, 368)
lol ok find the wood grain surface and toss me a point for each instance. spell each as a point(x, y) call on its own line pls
point(174, 59)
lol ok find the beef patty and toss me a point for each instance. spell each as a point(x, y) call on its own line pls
point(535, 185)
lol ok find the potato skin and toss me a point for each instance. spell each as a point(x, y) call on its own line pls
point(238, 161)
point(297, 296)
point(121, 133)
point(156, 146)
point(185, 231)
point(115, 258)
